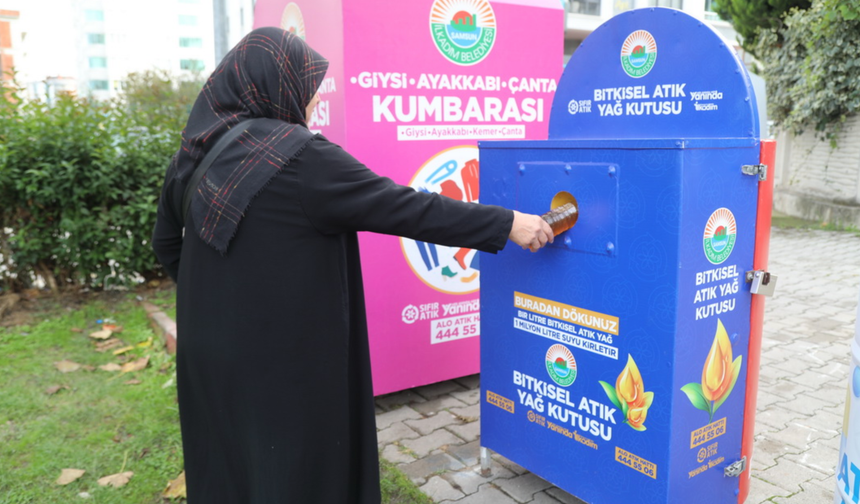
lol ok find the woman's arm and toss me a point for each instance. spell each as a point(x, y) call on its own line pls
point(167, 236)
point(338, 193)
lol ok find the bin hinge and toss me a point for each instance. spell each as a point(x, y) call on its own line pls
point(762, 282)
point(755, 169)
point(735, 469)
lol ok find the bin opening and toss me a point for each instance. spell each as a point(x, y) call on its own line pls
point(563, 214)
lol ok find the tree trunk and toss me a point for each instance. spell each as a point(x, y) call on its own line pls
point(49, 278)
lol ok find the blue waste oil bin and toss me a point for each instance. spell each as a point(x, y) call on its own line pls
point(615, 362)
point(847, 473)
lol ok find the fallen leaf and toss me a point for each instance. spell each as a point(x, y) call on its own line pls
point(112, 366)
point(76, 329)
point(116, 480)
point(112, 328)
point(123, 350)
point(154, 283)
point(145, 344)
point(87, 367)
point(69, 475)
point(135, 365)
point(104, 346)
point(67, 366)
point(133, 382)
point(175, 488)
point(54, 389)
point(103, 334)
point(30, 293)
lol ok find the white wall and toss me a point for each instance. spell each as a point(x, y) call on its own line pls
point(817, 182)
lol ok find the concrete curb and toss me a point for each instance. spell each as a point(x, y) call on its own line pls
point(163, 325)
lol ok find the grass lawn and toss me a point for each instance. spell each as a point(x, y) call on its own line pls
point(788, 222)
point(97, 422)
point(103, 422)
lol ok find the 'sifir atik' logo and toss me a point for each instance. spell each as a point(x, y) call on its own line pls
point(638, 53)
point(463, 30)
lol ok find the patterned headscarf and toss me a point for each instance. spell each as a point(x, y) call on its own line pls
point(270, 74)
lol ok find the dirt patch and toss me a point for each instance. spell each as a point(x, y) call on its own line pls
point(8, 302)
point(33, 304)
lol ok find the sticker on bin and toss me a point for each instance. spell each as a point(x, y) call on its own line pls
point(579, 328)
point(637, 463)
point(453, 173)
point(454, 328)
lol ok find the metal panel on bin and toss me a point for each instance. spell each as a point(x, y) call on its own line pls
point(614, 362)
point(596, 188)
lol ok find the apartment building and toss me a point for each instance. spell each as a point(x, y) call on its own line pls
point(115, 38)
point(90, 46)
point(8, 34)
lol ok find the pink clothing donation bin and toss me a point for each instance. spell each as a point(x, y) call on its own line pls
point(411, 88)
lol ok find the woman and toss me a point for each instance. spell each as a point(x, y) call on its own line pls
point(273, 369)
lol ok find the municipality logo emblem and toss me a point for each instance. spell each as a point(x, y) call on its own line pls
point(638, 53)
point(720, 234)
point(560, 365)
point(292, 20)
point(463, 30)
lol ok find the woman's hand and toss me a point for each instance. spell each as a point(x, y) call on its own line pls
point(530, 231)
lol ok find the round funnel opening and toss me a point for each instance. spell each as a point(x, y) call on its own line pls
point(563, 214)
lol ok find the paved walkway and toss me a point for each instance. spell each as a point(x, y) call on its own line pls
point(433, 432)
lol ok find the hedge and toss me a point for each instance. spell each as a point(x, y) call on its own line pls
point(79, 185)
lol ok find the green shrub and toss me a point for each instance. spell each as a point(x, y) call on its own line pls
point(812, 67)
point(79, 185)
point(156, 97)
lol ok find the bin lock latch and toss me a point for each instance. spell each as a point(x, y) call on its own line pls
point(763, 282)
point(735, 469)
point(755, 169)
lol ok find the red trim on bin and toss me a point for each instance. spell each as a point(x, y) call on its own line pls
point(762, 248)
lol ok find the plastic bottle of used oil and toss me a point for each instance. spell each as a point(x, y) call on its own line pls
point(562, 218)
